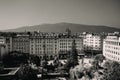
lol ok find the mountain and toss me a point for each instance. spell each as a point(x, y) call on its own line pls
point(60, 27)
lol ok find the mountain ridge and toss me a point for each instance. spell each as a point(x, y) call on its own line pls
point(60, 27)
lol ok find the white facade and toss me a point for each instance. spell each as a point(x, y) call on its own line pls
point(92, 42)
point(111, 48)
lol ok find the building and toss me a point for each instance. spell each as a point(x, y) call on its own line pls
point(53, 43)
point(8, 42)
point(92, 42)
point(17, 41)
point(21, 42)
point(43, 43)
point(111, 47)
point(65, 44)
point(3, 47)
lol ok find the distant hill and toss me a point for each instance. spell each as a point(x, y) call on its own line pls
point(60, 27)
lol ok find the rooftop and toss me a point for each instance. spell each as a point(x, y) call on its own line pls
point(9, 71)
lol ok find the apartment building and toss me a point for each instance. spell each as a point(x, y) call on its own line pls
point(43, 43)
point(53, 43)
point(111, 47)
point(8, 40)
point(20, 42)
point(92, 42)
point(3, 47)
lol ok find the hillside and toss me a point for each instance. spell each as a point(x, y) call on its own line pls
point(60, 27)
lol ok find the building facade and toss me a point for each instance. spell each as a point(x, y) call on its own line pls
point(3, 47)
point(53, 43)
point(43, 43)
point(9, 41)
point(111, 47)
point(92, 42)
point(65, 45)
point(21, 43)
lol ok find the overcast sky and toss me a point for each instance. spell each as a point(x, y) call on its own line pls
point(17, 13)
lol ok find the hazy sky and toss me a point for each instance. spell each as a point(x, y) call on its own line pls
point(17, 13)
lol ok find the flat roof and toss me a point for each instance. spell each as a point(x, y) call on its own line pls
point(11, 72)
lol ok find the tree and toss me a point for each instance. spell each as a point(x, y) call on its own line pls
point(26, 73)
point(72, 60)
point(99, 58)
point(56, 62)
point(111, 71)
point(15, 58)
point(88, 73)
point(74, 54)
point(44, 61)
point(35, 59)
point(95, 65)
point(1, 66)
point(50, 68)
